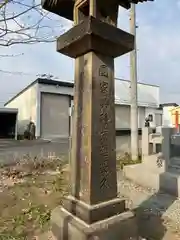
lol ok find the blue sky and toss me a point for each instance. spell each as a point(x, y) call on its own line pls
point(158, 43)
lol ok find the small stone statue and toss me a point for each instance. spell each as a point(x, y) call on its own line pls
point(29, 132)
point(147, 122)
point(32, 130)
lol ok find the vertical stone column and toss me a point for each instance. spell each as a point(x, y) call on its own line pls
point(93, 156)
point(146, 148)
point(93, 197)
point(166, 145)
point(93, 209)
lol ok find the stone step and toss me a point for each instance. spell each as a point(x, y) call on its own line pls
point(175, 161)
point(175, 165)
point(167, 181)
point(174, 169)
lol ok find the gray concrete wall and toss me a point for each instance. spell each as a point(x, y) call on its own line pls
point(26, 104)
point(123, 143)
point(14, 152)
point(11, 151)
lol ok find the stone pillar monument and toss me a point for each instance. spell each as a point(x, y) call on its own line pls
point(146, 148)
point(93, 210)
point(166, 145)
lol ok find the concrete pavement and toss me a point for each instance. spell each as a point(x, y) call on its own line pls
point(12, 151)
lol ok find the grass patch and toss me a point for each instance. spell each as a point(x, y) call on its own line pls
point(25, 206)
point(29, 190)
point(125, 160)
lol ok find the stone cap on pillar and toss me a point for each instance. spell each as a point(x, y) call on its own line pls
point(64, 8)
point(97, 36)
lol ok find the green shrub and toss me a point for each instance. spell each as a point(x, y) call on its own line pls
point(126, 160)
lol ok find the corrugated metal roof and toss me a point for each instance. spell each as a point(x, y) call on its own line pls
point(148, 95)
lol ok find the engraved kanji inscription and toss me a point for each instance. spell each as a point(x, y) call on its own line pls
point(104, 87)
point(103, 71)
point(104, 116)
point(104, 173)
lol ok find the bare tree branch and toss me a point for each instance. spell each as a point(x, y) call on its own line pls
point(25, 22)
point(3, 3)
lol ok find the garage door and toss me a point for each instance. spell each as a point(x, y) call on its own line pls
point(54, 116)
point(122, 116)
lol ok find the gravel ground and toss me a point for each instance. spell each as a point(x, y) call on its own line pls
point(158, 213)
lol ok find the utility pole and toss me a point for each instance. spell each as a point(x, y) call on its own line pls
point(133, 89)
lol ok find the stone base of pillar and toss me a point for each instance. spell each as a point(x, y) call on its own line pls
point(94, 213)
point(66, 226)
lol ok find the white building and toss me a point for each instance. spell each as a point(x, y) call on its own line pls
point(48, 104)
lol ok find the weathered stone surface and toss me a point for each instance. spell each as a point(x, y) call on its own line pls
point(95, 35)
point(166, 145)
point(94, 213)
point(157, 171)
point(93, 141)
point(146, 147)
point(118, 227)
point(93, 203)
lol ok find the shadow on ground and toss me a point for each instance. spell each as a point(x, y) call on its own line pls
point(153, 224)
